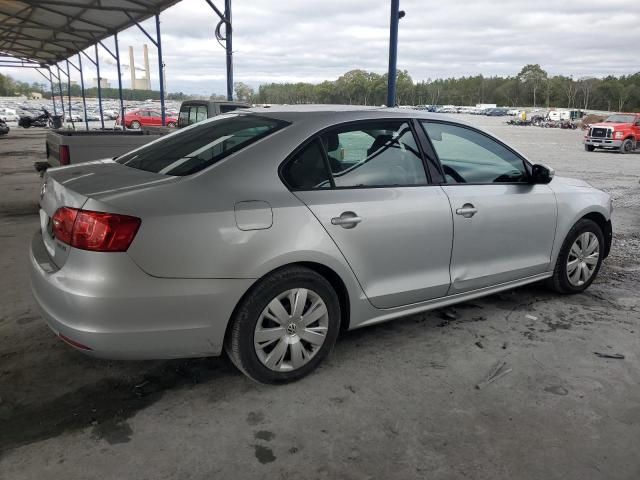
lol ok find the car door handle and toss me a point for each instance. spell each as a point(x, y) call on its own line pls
point(467, 210)
point(346, 220)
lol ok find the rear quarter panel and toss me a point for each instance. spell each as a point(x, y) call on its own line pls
point(189, 227)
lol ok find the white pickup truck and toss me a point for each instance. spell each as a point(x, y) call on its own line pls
point(65, 147)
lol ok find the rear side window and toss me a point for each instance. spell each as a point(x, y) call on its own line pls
point(307, 170)
point(368, 154)
point(374, 154)
point(191, 150)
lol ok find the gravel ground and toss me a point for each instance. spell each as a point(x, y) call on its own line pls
point(393, 401)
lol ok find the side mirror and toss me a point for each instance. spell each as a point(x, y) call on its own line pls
point(541, 174)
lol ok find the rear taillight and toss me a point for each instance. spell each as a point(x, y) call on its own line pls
point(62, 222)
point(65, 158)
point(95, 231)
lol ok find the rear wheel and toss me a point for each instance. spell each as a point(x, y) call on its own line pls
point(579, 259)
point(589, 148)
point(285, 326)
point(171, 124)
point(627, 146)
point(135, 125)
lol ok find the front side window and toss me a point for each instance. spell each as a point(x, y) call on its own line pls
point(468, 156)
point(193, 149)
point(372, 154)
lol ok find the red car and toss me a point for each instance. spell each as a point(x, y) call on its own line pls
point(137, 118)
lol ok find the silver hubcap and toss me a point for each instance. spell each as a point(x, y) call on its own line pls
point(583, 258)
point(291, 329)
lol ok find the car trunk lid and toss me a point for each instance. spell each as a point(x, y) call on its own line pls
point(72, 186)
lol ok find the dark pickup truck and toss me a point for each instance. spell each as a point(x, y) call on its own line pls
point(193, 111)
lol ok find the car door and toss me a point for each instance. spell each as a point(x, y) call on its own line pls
point(504, 226)
point(366, 183)
point(155, 118)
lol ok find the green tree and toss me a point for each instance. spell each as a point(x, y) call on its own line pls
point(533, 77)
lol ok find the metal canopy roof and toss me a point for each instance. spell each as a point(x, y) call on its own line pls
point(48, 31)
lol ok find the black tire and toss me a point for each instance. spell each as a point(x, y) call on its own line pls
point(135, 125)
point(239, 341)
point(560, 280)
point(589, 148)
point(171, 124)
point(627, 146)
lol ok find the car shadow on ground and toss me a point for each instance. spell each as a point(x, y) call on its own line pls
point(105, 405)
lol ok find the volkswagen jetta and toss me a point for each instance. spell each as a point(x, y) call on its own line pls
point(264, 233)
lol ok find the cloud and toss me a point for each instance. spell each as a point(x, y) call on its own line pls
point(304, 40)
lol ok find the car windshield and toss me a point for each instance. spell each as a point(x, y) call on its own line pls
point(620, 118)
point(201, 145)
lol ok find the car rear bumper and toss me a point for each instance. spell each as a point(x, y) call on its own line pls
point(603, 142)
point(105, 306)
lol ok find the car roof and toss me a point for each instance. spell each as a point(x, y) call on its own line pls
point(341, 113)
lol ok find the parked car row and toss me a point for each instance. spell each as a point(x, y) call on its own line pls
point(477, 110)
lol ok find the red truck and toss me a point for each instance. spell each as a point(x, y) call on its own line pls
point(148, 118)
point(621, 131)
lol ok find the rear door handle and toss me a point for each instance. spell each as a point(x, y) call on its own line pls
point(346, 220)
point(467, 210)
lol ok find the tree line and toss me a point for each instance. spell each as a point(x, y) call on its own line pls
point(532, 86)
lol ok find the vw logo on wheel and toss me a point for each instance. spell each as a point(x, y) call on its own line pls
point(291, 328)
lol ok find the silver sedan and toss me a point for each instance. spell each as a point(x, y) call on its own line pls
point(265, 233)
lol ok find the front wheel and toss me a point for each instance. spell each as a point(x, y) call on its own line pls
point(627, 146)
point(285, 326)
point(579, 259)
point(171, 124)
point(589, 148)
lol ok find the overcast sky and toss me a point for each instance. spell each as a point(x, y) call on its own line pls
point(312, 40)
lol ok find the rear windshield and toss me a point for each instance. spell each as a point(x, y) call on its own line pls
point(192, 149)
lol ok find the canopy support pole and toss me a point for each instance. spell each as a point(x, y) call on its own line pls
point(226, 19)
point(84, 100)
point(116, 57)
point(60, 91)
point(396, 15)
point(115, 38)
point(161, 70)
point(69, 95)
point(229, 49)
point(50, 79)
point(97, 62)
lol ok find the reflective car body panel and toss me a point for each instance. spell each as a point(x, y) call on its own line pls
point(408, 231)
point(510, 237)
point(206, 238)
